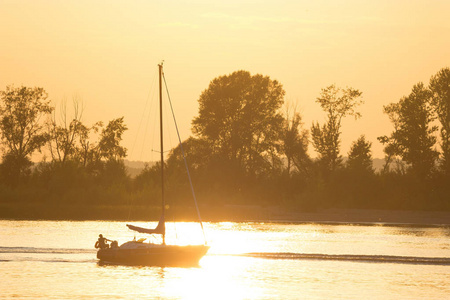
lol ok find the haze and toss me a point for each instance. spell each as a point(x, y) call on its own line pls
point(105, 53)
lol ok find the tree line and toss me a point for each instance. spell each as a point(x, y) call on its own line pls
point(248, 148)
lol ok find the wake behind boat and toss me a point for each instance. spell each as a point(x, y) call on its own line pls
point(137, 252)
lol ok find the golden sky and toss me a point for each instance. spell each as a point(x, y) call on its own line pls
point(106, 53)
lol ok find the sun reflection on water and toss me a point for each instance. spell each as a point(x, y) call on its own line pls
point(220, 272)
point(218, 277)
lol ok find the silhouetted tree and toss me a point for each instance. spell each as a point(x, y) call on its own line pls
point(239, 118)
point(87, 153)
point(440, 94)
point(113, 173)
point(413, 138)
point(360, 156)
point(64, 138)
point(391, 146)
point(337, 103)
point(109, 145)
point(14, 168)
point(356, 185)
point(196, 152)
point(294, 143)
point(22, 111)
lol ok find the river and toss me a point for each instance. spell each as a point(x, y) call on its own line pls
point(57, 260)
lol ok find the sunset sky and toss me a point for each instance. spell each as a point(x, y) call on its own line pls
point(106, 53)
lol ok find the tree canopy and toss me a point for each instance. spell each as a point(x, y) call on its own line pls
point(239, 118)
point(294, 142)
point(109, 145)
point(22, 112)
point(337, 103)
point(440, 101)
point(413, 138)
point(360, 156)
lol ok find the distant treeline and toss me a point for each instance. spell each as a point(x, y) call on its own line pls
point(248, 148)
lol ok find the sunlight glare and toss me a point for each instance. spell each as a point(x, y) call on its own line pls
point(218, 278)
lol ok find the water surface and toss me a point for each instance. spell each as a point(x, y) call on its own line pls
point(56, 260)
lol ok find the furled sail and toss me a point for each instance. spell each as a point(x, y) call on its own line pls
point(160, 229)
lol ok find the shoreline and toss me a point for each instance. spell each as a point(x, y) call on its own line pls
point(374, 217)
point(234, 213)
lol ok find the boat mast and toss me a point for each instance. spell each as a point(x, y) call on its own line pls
point(162, 148)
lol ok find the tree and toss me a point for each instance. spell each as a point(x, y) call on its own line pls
point(294, 142)
point(360, 156)
point(337, 103)
point(391, 146)
point(87, 152)
point(239, 119)
point(22, 111)
point(356, 185)
point(196, 153)
point(111, 136)
point(413, 138)
point(63, 138)
point(440, 95)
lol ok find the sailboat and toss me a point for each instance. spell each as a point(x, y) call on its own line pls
point(138, 252)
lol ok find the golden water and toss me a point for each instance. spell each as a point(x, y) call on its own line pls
point(56, 260)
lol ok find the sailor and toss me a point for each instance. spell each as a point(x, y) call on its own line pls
point(102, 242)
point(114, 244)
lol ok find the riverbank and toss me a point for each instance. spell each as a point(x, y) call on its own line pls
point(235, 213)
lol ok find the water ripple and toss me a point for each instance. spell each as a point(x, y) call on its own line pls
point(45, 250)
point(351, 257)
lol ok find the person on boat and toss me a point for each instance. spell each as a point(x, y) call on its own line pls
point(114, 244)
point(102, 242)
